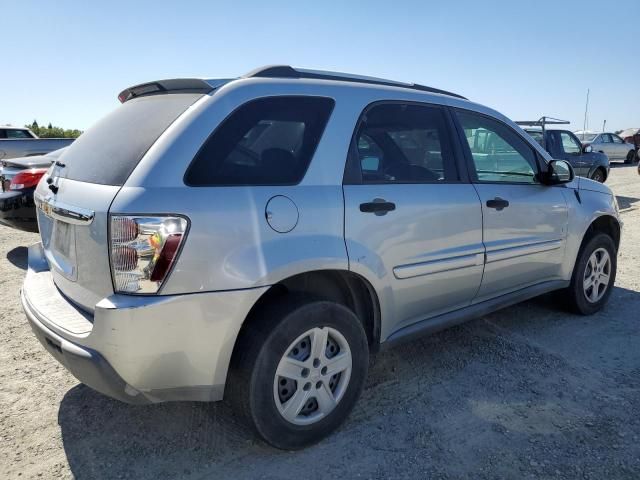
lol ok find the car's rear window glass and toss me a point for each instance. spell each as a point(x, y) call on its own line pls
point(268, 141)
point(108, 152)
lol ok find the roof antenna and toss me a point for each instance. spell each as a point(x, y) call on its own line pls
point(586, 109)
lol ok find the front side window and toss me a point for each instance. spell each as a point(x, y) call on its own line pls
point(404, 143)
point(569, 144)
point(268, 141)
point(499, 154)
point(605, 138)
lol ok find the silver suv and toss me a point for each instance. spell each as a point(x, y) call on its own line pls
point(257, 238)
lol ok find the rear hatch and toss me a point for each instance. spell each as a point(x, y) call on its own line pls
point(74, 201)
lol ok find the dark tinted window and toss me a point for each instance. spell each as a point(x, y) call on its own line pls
point(398, 143)
point(108, 152)
point(268, 141)
point(499, 153)
point(3, 133)
point(13, 133)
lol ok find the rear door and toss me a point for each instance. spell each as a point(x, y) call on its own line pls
point(411, 218)
point(525, 223)
point(73, 205)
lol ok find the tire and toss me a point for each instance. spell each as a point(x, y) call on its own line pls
point(577, 294)
point(631, 157)
point(256, 391)
point(598, 175)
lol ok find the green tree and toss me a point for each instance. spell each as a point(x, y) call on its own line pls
point(52, 131)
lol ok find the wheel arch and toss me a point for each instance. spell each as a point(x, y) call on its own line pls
point(603, 224)
point(342, 286)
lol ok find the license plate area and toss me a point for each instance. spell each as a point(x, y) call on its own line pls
point(61, 249)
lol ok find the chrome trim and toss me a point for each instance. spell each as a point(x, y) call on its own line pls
point(64, 212)
point(530, 249)
point(437, 266)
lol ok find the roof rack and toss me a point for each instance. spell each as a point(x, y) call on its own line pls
point(543, 122)
point(286, 71)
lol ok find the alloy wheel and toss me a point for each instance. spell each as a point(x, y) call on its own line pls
point(597, 274)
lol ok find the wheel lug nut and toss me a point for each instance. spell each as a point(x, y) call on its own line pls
point(305, 372)
point(323, 371)
point(316, 362)
point(318, 385)
point(307, 386)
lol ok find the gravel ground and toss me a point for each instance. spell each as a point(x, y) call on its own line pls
point(528, 392)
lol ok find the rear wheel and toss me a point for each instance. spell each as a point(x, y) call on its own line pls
point(296, 376)
point(631, 157)
point(593, 275)
point(598, 175)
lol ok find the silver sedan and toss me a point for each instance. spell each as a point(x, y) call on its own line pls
point(611, 145)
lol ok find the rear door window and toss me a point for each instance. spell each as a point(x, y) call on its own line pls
point(108, 152)
point(405, 143)
point(268, 141)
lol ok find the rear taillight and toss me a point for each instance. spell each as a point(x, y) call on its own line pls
point(27, 179)
point(143, 251)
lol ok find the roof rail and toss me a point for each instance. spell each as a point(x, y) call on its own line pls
point(286, 71)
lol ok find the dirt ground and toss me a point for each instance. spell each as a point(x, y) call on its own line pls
point(528, 392)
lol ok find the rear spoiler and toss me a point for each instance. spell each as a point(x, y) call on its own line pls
point(172, 85)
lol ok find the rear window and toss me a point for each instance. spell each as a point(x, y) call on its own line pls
point(268, 141)
point(108, 152)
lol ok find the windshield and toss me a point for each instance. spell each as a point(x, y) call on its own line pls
point(108, 152)
point(586, 137)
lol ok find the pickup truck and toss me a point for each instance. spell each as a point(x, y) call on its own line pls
point(564, 145)
point(21, 142)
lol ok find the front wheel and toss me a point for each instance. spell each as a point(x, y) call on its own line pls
point(298, 373)
point(631, 157)
point(593, 275)
point(598, 175)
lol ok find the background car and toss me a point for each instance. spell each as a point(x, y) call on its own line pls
point(18, 180)
point(564, 145)
point(16, 142)
point(611, 145)
point(632, 135)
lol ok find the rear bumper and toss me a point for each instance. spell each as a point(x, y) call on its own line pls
point(139, 349)
point(17, 210)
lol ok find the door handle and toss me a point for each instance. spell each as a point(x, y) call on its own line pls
point(497, 203)
point(378, 206)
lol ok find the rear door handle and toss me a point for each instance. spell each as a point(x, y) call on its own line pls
point(378, 206)
point(497, 203)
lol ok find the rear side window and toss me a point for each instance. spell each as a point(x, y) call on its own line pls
point(108, 152)
point(268, 141)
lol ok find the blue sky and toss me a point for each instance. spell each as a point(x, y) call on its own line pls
point(65, 61)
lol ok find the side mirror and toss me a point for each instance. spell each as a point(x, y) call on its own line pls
point(559, 172)
point(587, 149)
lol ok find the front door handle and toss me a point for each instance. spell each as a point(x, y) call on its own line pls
point(497, 203)
point(378, 206)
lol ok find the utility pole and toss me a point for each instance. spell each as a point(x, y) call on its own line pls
point(586, 109)
point(604, 124)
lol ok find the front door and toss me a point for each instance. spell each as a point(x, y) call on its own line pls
point(411, 222)
point(525, 222)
